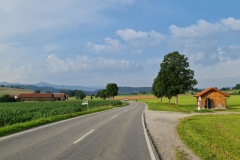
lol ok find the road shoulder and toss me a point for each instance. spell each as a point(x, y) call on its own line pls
point(162, 129)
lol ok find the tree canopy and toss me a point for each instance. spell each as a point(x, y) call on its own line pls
point(174, 77)
point(102, 94)
point(80, 94)
point(112, 90)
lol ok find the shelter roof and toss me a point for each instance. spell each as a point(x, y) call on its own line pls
point(210, 90)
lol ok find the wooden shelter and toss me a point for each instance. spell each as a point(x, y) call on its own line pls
point(212, 98)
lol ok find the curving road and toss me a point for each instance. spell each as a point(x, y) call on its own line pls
point(111, 135)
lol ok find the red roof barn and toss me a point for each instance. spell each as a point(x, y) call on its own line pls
point(36, 96)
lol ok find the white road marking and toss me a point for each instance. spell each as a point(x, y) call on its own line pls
point(147, 140)
point(114, 117)
point(83, 136)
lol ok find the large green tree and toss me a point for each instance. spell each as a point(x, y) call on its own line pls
point(174, 77)
point(158, 87)
point(112, 90)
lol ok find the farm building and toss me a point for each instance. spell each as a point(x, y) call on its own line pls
point(212, 98)
point(41, 96)
point(60, 96)
point(36, 96)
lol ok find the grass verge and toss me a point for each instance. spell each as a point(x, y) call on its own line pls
point(6, 130)
point(181, 155)
point(212, 137)
point(166, 107)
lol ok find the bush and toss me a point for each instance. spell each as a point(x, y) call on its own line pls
point(7, 98)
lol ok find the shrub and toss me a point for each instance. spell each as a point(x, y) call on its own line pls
point(7, 98)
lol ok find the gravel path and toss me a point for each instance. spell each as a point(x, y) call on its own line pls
point(162, 127)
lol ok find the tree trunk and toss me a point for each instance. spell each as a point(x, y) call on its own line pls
point(176, 100)
point(169, 100)
point(161, 99)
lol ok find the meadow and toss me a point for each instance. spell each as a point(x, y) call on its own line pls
point(214, 137)
point(187, 103)
point(18, 116)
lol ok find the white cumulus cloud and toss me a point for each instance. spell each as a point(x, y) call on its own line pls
point(140, 38)
point(86, 64)
point(111, 45)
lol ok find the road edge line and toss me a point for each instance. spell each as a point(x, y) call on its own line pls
point(147, 138)
point(159, 157)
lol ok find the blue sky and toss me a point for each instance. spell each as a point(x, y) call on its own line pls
point(95, 42)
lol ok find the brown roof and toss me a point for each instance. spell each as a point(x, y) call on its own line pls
point(208, 90)
point(59, 95)
point(36, 95)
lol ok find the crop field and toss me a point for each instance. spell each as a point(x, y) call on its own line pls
point(13, 91)
point(18, 112)
point(135, 97)
point(212, 136)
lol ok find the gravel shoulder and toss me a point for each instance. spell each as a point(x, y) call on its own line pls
point(162, 128)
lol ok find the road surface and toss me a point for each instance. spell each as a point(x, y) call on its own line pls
point(116, 134)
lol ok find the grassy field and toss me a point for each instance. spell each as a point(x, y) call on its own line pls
point(187, 103)
point(17, 116)
point(214, 137)
point(13, 91)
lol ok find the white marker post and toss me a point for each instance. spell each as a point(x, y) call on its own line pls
point(86, 103)
point(199, 103)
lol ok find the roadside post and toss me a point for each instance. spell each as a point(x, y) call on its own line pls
point(86, 103)
point(199, 103)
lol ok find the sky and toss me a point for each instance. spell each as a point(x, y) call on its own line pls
point(95, 42)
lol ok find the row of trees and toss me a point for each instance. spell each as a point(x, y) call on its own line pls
point(228, 88)
point(174, 77)
point(110, 92)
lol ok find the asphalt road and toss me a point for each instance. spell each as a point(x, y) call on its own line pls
point(116, 134)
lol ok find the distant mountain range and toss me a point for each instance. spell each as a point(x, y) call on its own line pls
point(46, 87)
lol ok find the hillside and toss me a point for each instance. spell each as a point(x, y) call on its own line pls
point(46, 87)
point(13, 91)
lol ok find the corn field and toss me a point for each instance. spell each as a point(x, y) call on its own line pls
point(17, 112)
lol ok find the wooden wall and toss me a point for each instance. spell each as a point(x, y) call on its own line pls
point(217, 100)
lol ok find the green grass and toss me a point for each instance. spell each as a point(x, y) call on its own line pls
point(166, 107)
point(181, 155)
point(212, 137)
point(187, 103)
point(233, 103)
